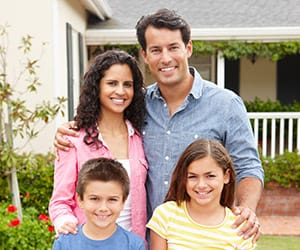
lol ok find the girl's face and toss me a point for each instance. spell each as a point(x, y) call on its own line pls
point(116, 89)
point(205, 181)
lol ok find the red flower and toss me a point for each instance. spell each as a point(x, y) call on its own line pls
point(27, 195)
point(51, 228)
point(43, 217)
point(11, 209)
point(14, 222)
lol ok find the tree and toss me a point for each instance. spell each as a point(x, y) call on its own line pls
point(17, 119)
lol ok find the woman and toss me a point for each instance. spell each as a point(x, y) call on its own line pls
point(109, 117)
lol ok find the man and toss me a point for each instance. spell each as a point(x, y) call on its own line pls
point(182, 107)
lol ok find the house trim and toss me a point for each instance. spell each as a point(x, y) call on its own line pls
point(69, 47)
point(75, 66)
point(100, 8)
point(266, 34)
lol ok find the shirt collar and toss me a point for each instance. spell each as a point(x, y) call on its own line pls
point(130, 130)
point(196, 91)
point(197, 87)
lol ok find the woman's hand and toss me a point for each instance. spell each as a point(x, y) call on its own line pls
point(67, 227)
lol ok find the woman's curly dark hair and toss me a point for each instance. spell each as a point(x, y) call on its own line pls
point(89, 108)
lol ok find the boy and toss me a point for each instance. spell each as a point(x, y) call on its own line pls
point(102, 189)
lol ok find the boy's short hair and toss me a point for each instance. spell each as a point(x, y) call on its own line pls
point(102, 169)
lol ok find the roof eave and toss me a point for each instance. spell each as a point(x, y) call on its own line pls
point(100, 8)
point(265, 34)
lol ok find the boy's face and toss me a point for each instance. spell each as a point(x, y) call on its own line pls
point(102, 203)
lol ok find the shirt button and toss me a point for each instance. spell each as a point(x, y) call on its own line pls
point(166, 182)
point(168, 132)
point(144, 132)
point(196, 136)
point(165, 105)
point(167, 158)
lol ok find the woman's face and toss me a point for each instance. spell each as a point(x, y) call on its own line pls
point(116, 89)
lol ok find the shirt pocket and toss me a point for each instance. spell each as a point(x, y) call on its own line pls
point(140, 170)
point(180, 141)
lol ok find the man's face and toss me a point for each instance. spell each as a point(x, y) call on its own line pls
point(167, 56)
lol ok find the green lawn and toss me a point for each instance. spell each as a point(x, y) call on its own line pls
point(278, 243)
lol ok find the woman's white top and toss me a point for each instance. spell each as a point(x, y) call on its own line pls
point(124, 219)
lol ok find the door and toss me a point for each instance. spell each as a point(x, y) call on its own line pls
point(288, 79)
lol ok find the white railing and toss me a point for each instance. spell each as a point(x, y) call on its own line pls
point(275, 132)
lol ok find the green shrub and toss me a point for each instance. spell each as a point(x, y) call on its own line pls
point(35, 182)
point(283, 169)
point(34, 232)
point(259, 105)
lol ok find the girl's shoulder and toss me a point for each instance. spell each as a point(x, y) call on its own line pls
point(231, 217)
point(169, 207)
point(229, 214)
point(169, 204)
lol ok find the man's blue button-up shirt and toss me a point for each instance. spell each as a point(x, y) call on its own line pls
point(207, 112)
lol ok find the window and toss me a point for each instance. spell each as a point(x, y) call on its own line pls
point(75, 68)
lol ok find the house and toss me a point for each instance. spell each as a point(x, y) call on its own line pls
point(60, 25)
point(222, 20)
point(73, 28)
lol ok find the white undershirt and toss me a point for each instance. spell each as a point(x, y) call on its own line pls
point(124, 219)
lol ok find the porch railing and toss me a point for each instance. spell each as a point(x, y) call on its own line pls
point(275, 132)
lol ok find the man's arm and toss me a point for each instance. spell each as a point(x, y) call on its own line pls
point(64, 129)
point(248, 192)
point(247, 197)
point(250, 174)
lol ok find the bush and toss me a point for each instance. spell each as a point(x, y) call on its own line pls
point(36, 185)
point(259, 105)
point(283, 169)
point(34, 232)
point(35, 182)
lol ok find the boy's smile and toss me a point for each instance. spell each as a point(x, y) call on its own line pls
point(102, 203)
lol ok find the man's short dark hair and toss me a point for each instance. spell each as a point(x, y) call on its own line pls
point(163, 18)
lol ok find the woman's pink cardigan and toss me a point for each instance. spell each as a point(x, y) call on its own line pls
point(63, 206)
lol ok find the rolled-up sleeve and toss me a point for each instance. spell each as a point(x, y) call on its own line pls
point(63, 202)
point(239, 141)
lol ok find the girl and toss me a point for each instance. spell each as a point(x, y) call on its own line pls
point(109, 117)
point(196, 214)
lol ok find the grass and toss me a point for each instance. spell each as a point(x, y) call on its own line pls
point(278, 243)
